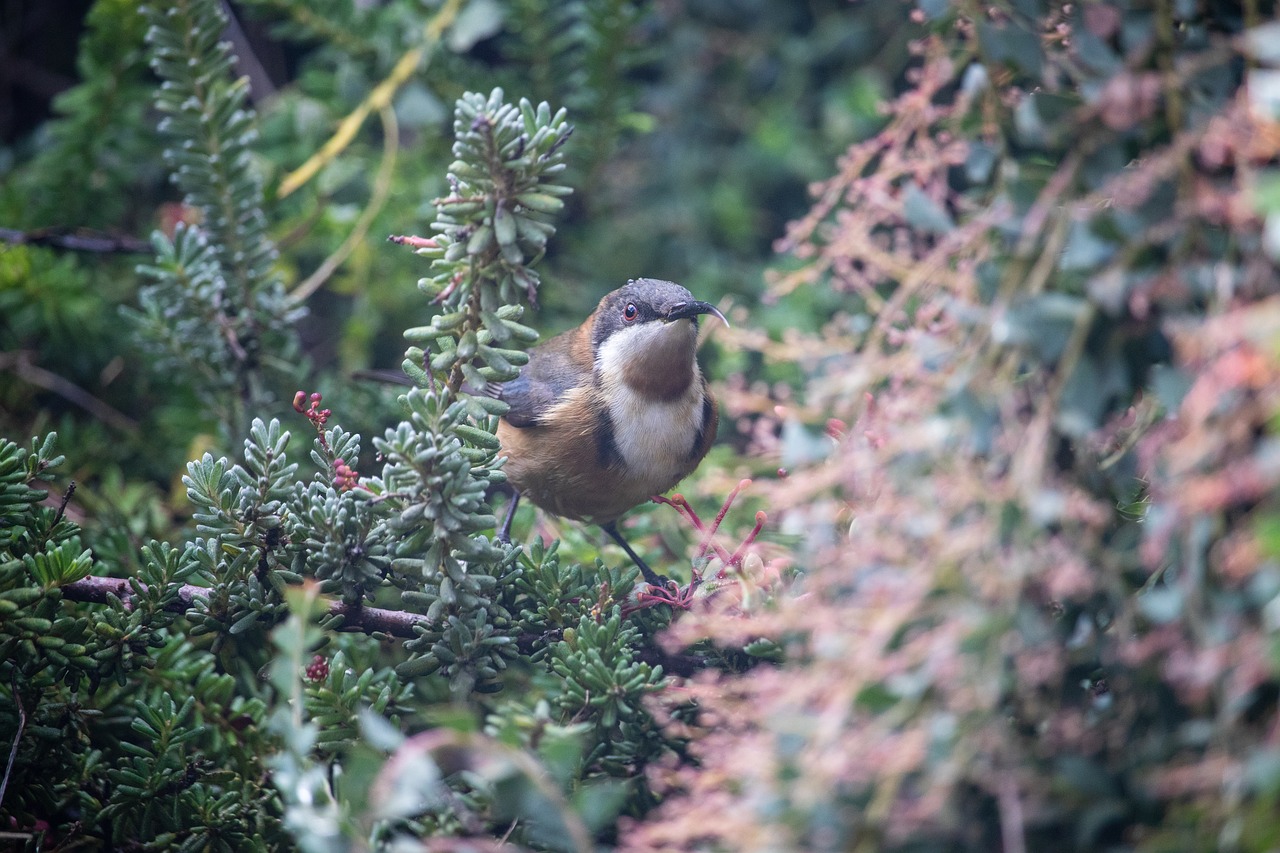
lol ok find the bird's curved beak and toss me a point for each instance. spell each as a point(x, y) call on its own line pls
point(681, 310)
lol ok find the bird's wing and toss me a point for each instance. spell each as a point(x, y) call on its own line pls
point(540, 385)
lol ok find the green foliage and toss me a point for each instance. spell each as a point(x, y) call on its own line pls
point(19, 468)
point(1032, 614)
point(604, 681)
point(336, 701)
point(579, 54)
point(100, 150)
point(40, 551)
point(440, 484)
point(216, 275)
point(1018, 585)
point(136, 649)
point(160, 764)
point(492, 227)
point(442, 460)
point(210, 132)
point(153, 780)
point(184, 638)
point(338, 528)
point(551, 596)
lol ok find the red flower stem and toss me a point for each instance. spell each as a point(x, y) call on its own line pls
point(724, 509)
point(707, 542)
point(414, 242)
point(681, 506)
point(736, 559)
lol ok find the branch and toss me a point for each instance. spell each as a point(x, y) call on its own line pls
point(22, 364)
point(397, 623)
point(95, 590)
point(76, 240)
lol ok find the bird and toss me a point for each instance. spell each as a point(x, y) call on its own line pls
point(611, 413)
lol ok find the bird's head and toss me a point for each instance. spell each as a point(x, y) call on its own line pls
point(645, 333)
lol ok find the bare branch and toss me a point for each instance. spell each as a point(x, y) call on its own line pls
point(95, 590)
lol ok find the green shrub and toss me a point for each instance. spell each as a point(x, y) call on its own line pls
point(1006, 393)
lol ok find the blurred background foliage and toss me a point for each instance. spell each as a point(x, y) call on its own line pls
point(698, 128)
point(1004, 366)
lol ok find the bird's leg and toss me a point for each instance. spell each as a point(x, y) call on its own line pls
point(504, 532)
point(650, 576)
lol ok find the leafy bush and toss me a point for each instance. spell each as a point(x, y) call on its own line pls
point(1005, 393)
point(1035, 610)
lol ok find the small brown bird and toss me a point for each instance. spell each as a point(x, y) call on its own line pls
point(609, 414)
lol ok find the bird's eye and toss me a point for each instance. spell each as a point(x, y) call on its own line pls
point(630, 313)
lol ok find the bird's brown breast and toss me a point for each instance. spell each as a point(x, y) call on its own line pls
point(592, 460)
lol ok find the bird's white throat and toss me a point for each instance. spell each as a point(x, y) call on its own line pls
point(655, 437)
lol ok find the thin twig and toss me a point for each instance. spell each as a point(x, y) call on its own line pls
point(247, 61)
point(369, 620)
point(76, 240)
point(17, 738)
point(66, 499)
point(21, 364)
point(397, 623)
